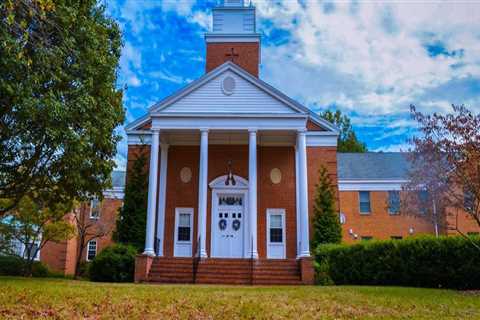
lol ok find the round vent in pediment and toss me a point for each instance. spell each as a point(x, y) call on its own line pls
point(228, 85)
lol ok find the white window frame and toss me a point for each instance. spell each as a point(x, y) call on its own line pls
point(179, 211)
point(369, 202)
point(270, 212)
point(392, 213)
point(88, 248)
point(99, 209)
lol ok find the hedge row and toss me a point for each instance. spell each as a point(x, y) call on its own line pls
point(445, 262)
point(15, 266)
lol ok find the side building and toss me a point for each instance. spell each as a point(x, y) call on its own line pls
point(97, 217)
point(370, 187)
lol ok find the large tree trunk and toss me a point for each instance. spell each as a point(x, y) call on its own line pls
point(79, 258)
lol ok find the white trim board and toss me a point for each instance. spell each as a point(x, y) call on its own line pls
point(371, 185)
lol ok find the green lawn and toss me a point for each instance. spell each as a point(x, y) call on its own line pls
point(53, 298)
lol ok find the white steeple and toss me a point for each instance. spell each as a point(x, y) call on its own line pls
point(232, 17)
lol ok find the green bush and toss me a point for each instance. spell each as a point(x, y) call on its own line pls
point(39, 270)
point(84, 269)
point(445, 262)
point(11, 266)
point(114, 264)
point(15, 266)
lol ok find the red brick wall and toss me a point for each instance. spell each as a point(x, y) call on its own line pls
point(461, 220)
point(317, 157)
point(181, 194)
point(248, 55)
point(280, 195)
point(61, 256)
point(108, 216)
point(379, 224)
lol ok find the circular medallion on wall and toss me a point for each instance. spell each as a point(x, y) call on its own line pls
point(186, 174)
point(276, 175)
point(228, 85)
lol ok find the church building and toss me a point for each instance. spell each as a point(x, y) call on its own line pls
point(232, 171)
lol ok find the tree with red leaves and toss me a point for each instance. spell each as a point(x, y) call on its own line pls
point(445, 167)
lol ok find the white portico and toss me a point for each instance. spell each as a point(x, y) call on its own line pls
point(176, 122)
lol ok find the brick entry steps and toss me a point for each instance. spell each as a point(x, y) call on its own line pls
point(226, 271)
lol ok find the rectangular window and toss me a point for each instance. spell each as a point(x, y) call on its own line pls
point(276, 228)
point(95, 205)
point(91, 249)
point(366, 238)
point(184, 227)
point(423, 201)
point(276, 237)
point(396, 237)
point(393, 202)
point(468, 200)
point(364, 202)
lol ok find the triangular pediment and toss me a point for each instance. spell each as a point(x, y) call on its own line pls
point(229, 90)
point(226, 90)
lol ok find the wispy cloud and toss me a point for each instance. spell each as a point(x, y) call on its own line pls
point(369, 59)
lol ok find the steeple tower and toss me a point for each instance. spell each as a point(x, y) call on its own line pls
point(234, 37)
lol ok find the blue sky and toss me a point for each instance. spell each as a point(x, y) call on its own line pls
point(370, 60)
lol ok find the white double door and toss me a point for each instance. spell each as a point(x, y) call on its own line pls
point(228, 225)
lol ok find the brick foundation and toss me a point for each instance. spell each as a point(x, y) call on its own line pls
point(143, 263)
point(307, 271)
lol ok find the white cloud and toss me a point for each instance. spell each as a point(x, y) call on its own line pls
point(373, 52)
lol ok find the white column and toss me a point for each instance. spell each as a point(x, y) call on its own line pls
point(303, 194)
point(252, 190)
point(202, 192)
point(297, 204)
point(162, 196)
point(152, 193)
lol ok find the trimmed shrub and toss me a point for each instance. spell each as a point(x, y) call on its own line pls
point(114, 264)
point(445, 262)
point(11, 266)
point(15, 266)
point(39, 270)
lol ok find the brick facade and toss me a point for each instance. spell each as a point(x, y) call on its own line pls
point(248, 55)
point(61, 256)
point(379, 223)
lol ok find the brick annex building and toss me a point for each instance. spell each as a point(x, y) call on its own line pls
point(233, 165)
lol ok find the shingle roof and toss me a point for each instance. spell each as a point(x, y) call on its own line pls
point(373, 166)
point(118, 179)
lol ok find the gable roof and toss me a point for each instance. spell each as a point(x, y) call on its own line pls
point(373, 166)
point(294, 105)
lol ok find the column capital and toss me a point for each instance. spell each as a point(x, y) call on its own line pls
point(252, 130)
point(204, 130)
point(302, 131)
point(155, 130)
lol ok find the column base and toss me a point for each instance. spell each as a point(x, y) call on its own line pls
point(149, 252)
point(307, 270)
point(253, 255)
point(203, 254)
point(143, 263)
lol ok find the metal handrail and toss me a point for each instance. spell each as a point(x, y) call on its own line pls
point(251, 261)
point(196, 259)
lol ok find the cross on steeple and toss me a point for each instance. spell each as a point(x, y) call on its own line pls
point(232, 55)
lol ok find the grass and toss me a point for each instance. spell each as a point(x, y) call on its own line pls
point(68, 299)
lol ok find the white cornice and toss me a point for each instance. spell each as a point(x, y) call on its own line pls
point(114, 193)
point(371, 185)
